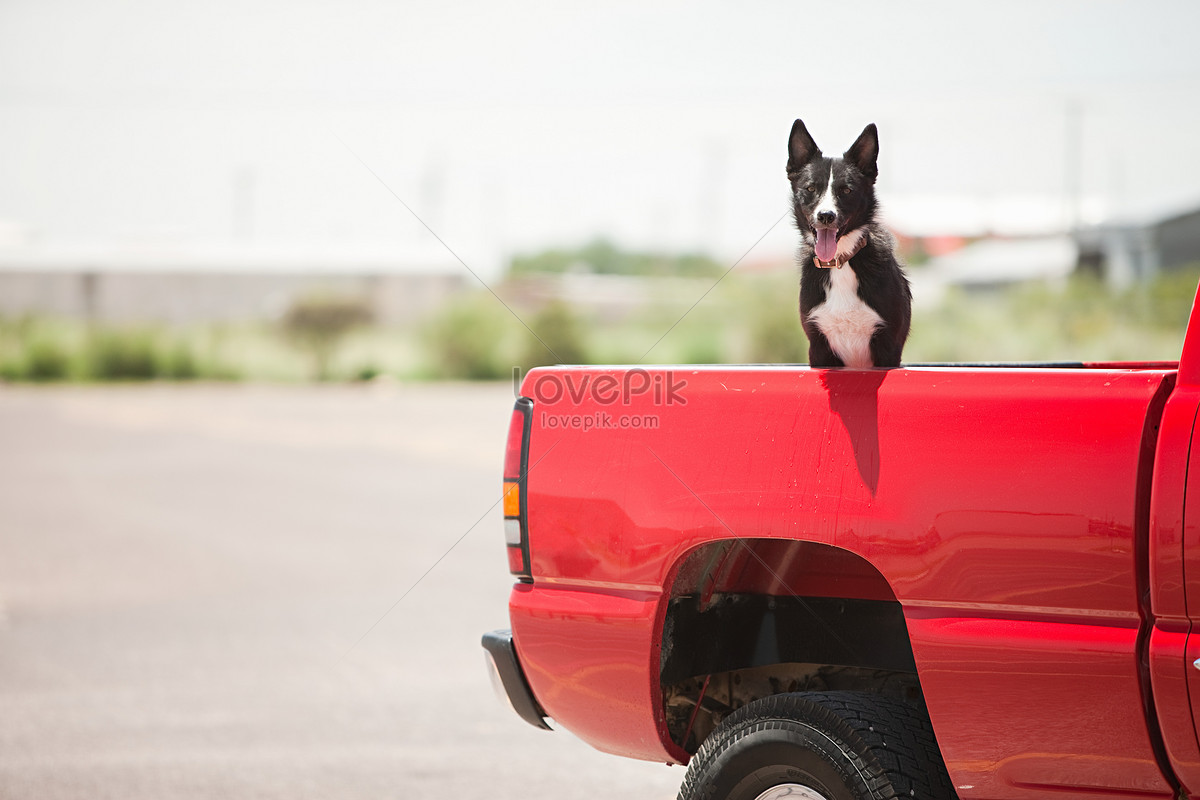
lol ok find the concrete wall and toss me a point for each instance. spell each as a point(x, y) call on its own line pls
point(181, 298)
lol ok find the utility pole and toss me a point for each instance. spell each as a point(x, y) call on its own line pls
point(244, 186)
point(1072, 165)
point(712, 197)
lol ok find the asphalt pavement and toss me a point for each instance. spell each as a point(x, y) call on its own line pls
point(203, 595)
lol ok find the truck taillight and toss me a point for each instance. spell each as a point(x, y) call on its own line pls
point(516, 465)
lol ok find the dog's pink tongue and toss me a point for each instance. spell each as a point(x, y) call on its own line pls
point(826, 243)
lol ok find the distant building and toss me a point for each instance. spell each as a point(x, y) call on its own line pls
point(179, 285)
point(1124, 253)
point(610, 297)
point(995, 263)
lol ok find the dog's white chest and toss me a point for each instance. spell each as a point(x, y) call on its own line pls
point(847, 322)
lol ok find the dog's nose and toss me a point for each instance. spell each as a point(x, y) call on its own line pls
point(826, 217)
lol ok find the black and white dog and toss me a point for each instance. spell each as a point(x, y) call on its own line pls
point(855, 303)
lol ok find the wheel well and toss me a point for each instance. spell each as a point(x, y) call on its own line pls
point(751, 618)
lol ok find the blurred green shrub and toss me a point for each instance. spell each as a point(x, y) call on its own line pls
point(776, 336)
point(558, 328)
point(46, 360)
point(1167, 300)
point(1081, 320)
point(122, 354)
point(317, 325)
point(54, 350)
point(703, 347)
point(465, 339)
point(178, 362)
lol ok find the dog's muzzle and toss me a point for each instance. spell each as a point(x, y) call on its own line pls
point(844, 248)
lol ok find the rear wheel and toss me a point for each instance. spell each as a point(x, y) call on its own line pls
point(820, 746)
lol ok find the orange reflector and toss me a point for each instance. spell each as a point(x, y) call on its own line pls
point(512, 499)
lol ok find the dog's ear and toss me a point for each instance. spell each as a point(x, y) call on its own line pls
point(801, 149)
point(865, 152)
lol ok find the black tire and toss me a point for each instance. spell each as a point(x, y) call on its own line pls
point(838, 745)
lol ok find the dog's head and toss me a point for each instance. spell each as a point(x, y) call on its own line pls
point(831, 196)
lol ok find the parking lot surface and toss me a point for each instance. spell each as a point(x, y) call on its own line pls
point(199, 593)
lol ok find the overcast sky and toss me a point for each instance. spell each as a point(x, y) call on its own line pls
point(511, 126)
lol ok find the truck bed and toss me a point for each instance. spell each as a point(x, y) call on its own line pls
point(1002, 507)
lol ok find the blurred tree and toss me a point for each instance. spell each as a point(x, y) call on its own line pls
point(317, 325)
point(605, 258)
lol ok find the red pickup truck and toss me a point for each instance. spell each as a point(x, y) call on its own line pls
point(932, 581)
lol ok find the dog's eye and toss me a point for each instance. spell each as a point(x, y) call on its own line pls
point(844, 190)
point(809, 189)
